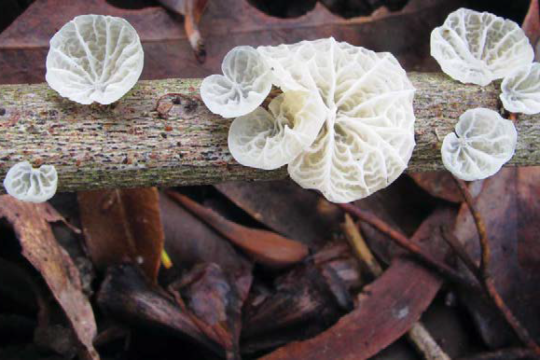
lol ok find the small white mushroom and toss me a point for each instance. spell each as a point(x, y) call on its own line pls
point(521, 90)
point(482, 143)
point(32, 185)
point(367, 137)
point(94, 58)
point(245, 83)
point(270, 139)
point(477, 48)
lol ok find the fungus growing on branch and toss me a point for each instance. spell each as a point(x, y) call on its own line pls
point(245, 83)
point(477, 48)
point(94, 58)
point(367, 137)
point(32, 185)
point(482, 143)
point(521, 90)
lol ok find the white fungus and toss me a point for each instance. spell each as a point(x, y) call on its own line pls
point(521, 90)
point(477, 48)
point(270, 139)
point(245, 83)
point(94, 58)
point(367, 137)
point(482, 143)
point(32, 185)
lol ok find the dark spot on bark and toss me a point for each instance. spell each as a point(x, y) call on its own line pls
point(2, 111)
point(176, 100)
point(163, 135)
point(190, 106)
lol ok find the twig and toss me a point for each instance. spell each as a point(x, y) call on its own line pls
point(418, 334)
point(484, 276)
point(402, 241)
point(359, 246)
point(425, 343)
point(480, 227)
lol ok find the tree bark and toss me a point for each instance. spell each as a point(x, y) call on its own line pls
point(161, 134)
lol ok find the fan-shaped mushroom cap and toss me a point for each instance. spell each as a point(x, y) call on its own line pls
point(245, 83)
point(94, 58)
point(33, 185)
point(521, 90)
point(482, 143)
point(368, 135)
point(477, 48)
point(270, 139)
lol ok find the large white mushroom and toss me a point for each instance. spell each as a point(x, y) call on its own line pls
point(245, 83)
point(482, 143)
point(477, 48)
point(521, 90)
point(32, 185)
point(94, 58)
point(367, 137)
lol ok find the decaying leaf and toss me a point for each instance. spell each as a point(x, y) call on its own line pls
point(303, 302)
point(509, 206)
point(265, 247)
point(385, 311)
point(30, 222)
point(226, 23)
point(121, 225)
point(531, 26)
point(439, 184)
point(312, 220)
point(213, 298)
point(189, 241)
point(127, 294)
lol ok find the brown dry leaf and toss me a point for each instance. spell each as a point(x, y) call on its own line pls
point(509, 206)
point(128, 295)
point(265, 247)
point(189, 241)
point(39, 246)
point(122, 225)
point(386, 308)
point(216, 304)
point(439, 184)
point(310, 219)
point(226, 23)
point(531, 26)
point(310, 297)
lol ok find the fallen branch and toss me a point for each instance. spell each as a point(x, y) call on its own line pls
point(135, 143)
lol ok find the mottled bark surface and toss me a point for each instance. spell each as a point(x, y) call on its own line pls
point(161, 134)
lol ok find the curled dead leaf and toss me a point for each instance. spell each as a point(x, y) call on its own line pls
point(265, 247)
point(39, 246)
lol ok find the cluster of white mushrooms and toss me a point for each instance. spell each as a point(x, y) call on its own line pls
point(343, 119)
point(343, 123)
point(93, 58)
point(477, 48)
